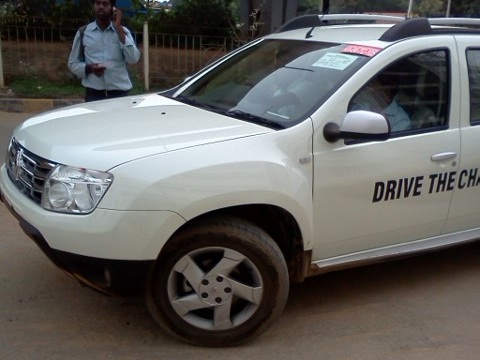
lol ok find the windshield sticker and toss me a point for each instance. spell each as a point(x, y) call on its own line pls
point(335, 61)
point(362, 50)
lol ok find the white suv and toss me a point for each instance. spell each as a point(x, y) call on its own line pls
point(338, 141)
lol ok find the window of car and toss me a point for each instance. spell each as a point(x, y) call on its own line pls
point(278, 82)
point(412, 93)
point(473, 61)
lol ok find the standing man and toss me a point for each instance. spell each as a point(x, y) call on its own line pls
point(101, 51)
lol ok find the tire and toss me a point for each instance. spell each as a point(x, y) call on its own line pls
point(219, 283)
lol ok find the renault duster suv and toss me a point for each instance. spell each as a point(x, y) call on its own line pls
point(337, 141)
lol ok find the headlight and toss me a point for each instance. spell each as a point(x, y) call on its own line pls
point(73, 190)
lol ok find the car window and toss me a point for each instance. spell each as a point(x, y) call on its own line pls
point(473, 61)
point(411, 93)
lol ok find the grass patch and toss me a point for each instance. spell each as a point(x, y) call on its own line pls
point(34, 87)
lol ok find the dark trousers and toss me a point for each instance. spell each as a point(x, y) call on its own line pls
point(93, 95)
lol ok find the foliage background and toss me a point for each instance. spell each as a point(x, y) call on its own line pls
point(209, 17)
point(459, 8)
point(188, 17)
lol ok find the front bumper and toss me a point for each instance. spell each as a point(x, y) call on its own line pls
point(111, 251)
point(119, 277)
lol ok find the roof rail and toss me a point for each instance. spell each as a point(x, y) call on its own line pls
point(307, 21)
point(422, 26)
point(403, 27)
point(463, 22)
point(407, 28)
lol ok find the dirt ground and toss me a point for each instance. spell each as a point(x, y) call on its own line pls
point(426, 307)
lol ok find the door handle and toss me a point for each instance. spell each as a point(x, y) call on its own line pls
point(444, 156)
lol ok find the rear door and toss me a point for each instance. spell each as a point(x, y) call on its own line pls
point(465, 209)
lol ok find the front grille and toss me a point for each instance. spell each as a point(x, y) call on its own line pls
point(27, 170)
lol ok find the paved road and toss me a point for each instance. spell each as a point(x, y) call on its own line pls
point(427, 307)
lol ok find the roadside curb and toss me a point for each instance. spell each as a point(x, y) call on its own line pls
point(34, 105)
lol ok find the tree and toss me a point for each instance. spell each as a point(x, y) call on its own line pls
point(469, 8)
point(359, 6)
point(52, 12)
point(6, 8)
point(205, 17)
point(308, 7)
point(430, 8)
point(69, 11)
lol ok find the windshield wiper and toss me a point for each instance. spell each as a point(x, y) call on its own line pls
point(238, 114)
point(242, 115)
point(298, 68)
point(194, 102)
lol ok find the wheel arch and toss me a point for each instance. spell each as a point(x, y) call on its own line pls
point(278, 223)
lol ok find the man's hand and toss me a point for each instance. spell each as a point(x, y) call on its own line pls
point(117, 18)
point(117, 24)
point(97, 69)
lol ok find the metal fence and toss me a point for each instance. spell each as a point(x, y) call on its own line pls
point(43, 52)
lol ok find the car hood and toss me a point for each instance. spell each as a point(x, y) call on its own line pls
point(100, 135)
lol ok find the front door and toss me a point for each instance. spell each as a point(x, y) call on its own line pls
point(377, 194)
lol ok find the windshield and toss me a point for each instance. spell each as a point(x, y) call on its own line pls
point(277, 83)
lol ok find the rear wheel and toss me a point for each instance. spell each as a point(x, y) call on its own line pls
point(218, 283)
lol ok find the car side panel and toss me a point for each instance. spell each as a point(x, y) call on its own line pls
point(377, 194)
point(465, 209)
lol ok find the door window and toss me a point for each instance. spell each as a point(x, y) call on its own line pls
point(473, 61)
point(411, 93)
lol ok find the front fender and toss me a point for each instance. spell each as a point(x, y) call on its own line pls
point(273, 168)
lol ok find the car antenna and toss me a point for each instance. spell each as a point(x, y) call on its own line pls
point(325, 10)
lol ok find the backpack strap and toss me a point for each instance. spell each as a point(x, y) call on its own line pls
point(81, 54)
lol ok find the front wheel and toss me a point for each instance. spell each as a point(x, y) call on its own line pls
point(218, 283)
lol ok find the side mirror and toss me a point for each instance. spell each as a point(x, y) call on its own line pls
point(359, 125)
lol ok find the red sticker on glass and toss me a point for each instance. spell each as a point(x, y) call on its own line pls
point(362, 50)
